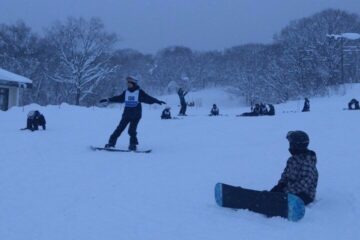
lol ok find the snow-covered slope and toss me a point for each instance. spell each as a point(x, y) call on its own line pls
point(53, 187)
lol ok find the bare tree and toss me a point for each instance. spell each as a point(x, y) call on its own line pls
point(83, 49)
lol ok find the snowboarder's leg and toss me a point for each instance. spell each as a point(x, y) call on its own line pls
point(182, 110)
point(29, 124)
point(116, 134)
point(132, 132)
point(35, 125)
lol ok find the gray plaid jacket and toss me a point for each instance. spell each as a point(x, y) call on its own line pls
point(300, 174)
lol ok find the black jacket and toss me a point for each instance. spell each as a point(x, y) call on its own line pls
point(134, 112)
point(34, 120)
point(166, 114)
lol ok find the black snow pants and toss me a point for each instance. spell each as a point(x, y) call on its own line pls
point(121, 127)
point(183, 109)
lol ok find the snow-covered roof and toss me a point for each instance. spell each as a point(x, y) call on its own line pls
point(350, 36)
point(13, 79)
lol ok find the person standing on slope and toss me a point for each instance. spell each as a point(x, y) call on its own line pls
point(133, 97)
point(182, 95)
point(300, 175)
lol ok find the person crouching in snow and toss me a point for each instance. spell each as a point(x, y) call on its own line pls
point(214, 111)
point(133, 97)
point(34, 120)
point(166, 114)
point(300, 175)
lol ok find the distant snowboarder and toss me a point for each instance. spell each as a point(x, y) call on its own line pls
point(166, 114)
point(183, 104)
point(214, 110)
point(353, 104)
point(306, 107)
point(133, 97)
point(34, 120)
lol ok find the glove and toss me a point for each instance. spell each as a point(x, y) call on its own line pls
point(161, 102)
point(105, 100)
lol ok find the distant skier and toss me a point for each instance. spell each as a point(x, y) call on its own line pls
point(183, 104)
point(34, 120)
point(300, 175)
point(353, 104)
point(166, 114)
point(306, 107)
point(214, 111)
point(133, 97)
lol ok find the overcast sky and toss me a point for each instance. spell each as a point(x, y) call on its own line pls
point(149, 25)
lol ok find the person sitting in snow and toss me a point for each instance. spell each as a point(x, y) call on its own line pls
point(300, 176)
point(133, 97)
point(353, 104)
point(166, 114)
point(34, 120)
point(214, 111)
point(306, 107)
point(255, 111)
point(270, 110)
point(262, 109)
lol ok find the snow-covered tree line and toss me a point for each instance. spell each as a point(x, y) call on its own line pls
point(77, 61)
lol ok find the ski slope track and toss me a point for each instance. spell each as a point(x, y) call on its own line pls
point(52, 187)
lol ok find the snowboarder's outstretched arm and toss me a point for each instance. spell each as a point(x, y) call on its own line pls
point(115, 99)
point(145, 98)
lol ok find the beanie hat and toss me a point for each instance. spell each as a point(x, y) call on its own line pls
point(132, 79)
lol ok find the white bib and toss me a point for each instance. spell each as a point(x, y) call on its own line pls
point(131, 98)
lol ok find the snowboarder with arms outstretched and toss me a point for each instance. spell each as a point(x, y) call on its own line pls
point(132, 97)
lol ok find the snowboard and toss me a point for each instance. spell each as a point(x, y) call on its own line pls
point(270, 204)
point(118, 150)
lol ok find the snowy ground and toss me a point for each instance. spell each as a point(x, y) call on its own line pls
point(52, 187)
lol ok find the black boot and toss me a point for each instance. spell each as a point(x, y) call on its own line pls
point(132, 147)
point(109, 145)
